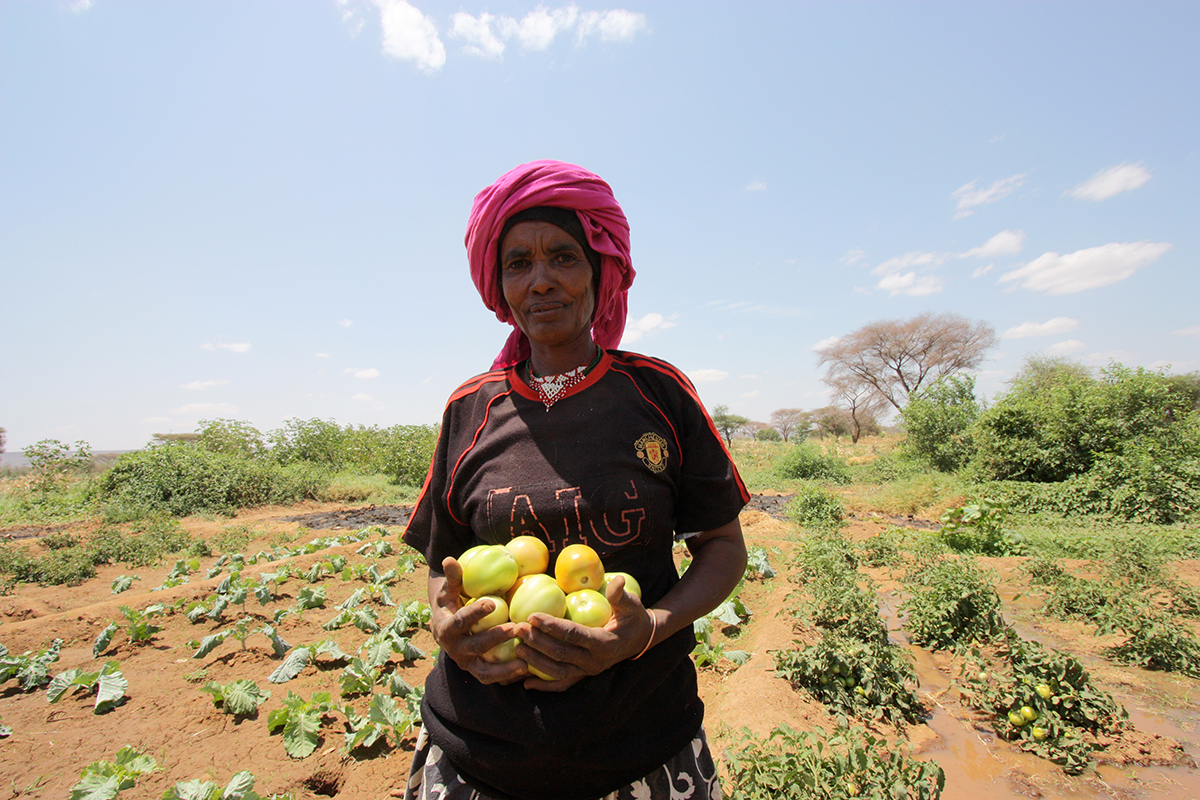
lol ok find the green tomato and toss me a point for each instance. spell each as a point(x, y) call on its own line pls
point(497, 616)
point(589, 608)
point(490, 571)
point(537, 593)
point(1040, 733)
point(860, 691)
point(1016, 719)
point(848, 682)
point(1028, 714)
point(1044, 691)
point(470, 551)
point(631, 584)
point(502, 653)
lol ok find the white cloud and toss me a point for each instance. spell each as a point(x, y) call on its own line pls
point(852, 257)
point(350, 17)
point(617, 25)
point(916, 259)
point(196, 385)
point(1004, 243)
point(1051, 327)
point(80, 6)
point(911, 284)
point(537, 29)
point(481, 40)
point(207, 409)
point(345, 323)
point(361, 396)
point(754, 393)
point(756, 186)
point(409, 35)
point(1066, 348)
point(896, 280)
point(1092, 268)
point(969, 197)
point(821, 345)
point(979, 272)
point(485, 36)
point(637, 328)
point(320, 355)
point(233, 347)
point(707, 375)
point(1113, 180)
point(1192, 331)
point(363, 373)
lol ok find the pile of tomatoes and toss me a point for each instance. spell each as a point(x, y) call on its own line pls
point(514, 577)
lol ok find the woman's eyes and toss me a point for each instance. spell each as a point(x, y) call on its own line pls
point(561, 259)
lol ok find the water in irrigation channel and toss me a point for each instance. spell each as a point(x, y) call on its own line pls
point(978, 763)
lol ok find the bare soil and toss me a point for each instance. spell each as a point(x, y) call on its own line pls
point(168, 717)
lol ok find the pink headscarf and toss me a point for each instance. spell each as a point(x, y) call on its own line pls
point(552, 183)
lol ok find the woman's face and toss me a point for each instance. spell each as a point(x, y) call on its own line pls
point(547, 283)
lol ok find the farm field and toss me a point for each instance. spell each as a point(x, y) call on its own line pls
point(350, 596)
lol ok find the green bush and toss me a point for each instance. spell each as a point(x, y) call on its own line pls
point(182, 479)
point(408, 452)
point(231, 437)
point(806, 461)
point(1127, 445)
point(938, 421)
point(815, 507)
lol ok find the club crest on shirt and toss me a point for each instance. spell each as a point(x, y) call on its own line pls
point(652, 450)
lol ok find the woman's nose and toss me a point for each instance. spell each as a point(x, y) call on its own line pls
point(542, 277)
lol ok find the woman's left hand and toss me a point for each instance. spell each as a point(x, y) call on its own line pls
point(568, 651)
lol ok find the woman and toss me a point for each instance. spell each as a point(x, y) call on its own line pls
point(571, 441)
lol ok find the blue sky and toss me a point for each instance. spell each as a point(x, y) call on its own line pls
point(255, 210)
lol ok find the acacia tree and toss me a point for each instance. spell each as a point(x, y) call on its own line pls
point(728, 424)
point(894, 358)
point(791, 421)
point(3, 434)
point(860, 400)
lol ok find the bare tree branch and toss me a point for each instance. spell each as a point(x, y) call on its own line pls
point(896, 357)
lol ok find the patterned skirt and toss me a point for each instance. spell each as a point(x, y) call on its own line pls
point(690, 775)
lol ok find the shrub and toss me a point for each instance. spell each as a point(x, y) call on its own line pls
point(938, 422)
point(231, 437)
point(181, 479)
point(815, 507)
point(806, 461)
point(408, 452)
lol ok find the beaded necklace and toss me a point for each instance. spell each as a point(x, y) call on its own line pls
point(551, 388)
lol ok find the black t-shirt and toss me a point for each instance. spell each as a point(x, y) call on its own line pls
point(626, 460)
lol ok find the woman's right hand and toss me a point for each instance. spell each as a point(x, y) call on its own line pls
point(450, 622)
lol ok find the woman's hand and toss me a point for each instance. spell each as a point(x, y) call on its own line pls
point(450, 623)
point(567, 651)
